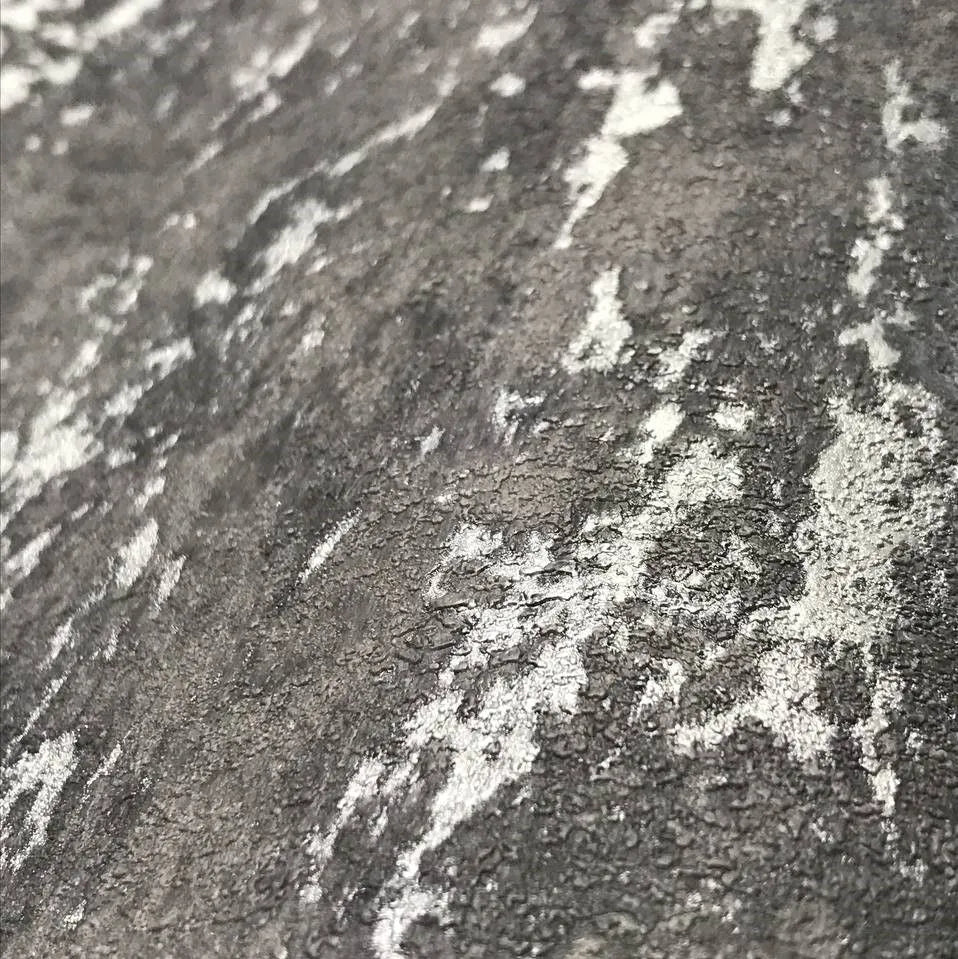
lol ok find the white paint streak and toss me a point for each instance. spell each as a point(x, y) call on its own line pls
point(325, 549)
point(168, 580)
point(599, 345)
point(135, 556)
point(637, 107)
point(495, 37)
point(46, 772)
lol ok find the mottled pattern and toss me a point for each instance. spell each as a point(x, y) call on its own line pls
point(478, 479)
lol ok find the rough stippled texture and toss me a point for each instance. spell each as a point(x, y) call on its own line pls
point(478, 479)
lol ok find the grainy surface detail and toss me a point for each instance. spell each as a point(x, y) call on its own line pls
point(478, 479)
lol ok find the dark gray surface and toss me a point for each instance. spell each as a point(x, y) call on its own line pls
point(685, 698)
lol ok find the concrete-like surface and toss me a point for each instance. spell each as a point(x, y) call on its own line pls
point(479, 480)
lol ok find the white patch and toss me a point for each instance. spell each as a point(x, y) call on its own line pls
point(46, 772)
point(17, 80)
point(153, 487)
point(168, 580)
point(675, 361)
point(507, 405)
point(508, 85)
point(53, 687)
point(479, 204)
point(881, 355)
point(325, 549)
point(59, 441)
point(213, 288)
point(636, 107)
point(469, 542)
point(669, 687)
point(495, 37)
point(599, 345)
point(19, 566)
point(655, 28)
point(135, 556)
point(298, 238)
point(734, 417)
point(76, 115)
point(659, 427)
point(859, 527)
point(496, 162)
point(429, 444)
point(495, 744)
point(777, 54)
point(898, 130)
point(73, 918)
point(869, 251)
point(9, 444)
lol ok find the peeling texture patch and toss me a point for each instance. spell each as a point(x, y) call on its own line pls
point(325, 549)
point(46, 772)
point(637, 107)
point(777, 54)
point(599, 346)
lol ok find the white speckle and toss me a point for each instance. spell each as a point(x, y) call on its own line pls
point(777, 54)
point(733, 416)
point(168, 580)
point(494, 37)
point(45, 771)
point(508, 85)
point(599, 345)
point(119, 457)
point(496, 162)
point(637, 107)
point(479, 204)
point(135, 556)
point(325, 549)
point(75, 115)
point(312, 339)
point(73, 918)
point(507, 404)
point(86, 360)
point(924, 131)
point(675, 361)
point(429, 444)
point(213, 288)
point(660, 427)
